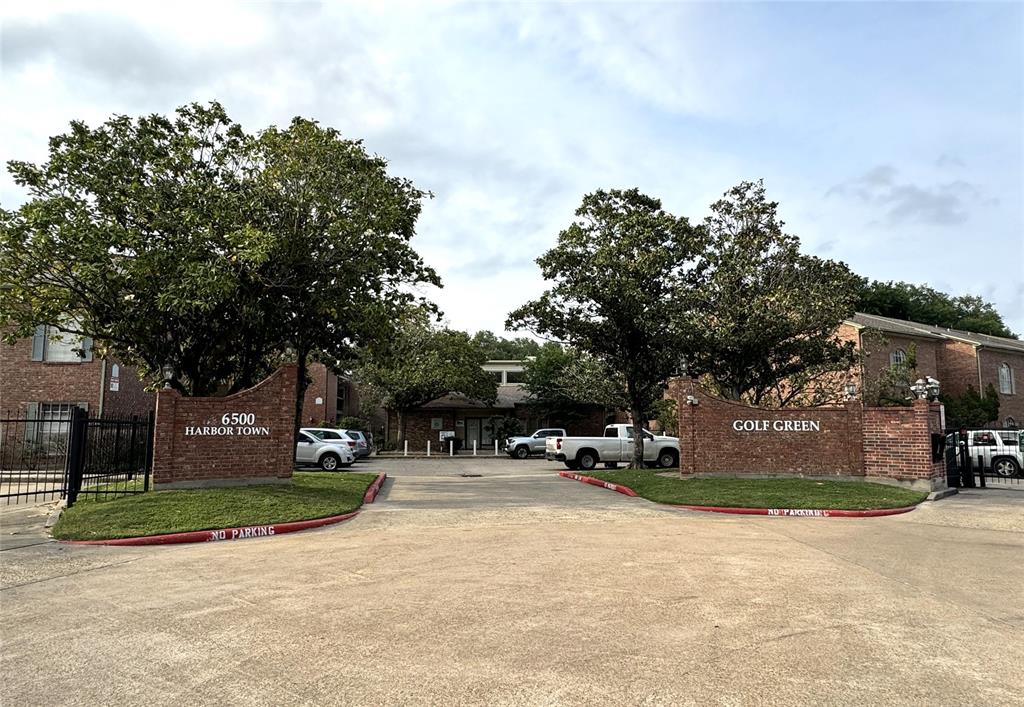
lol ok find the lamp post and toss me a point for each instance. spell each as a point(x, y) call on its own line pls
point(932, 387)
point(167, 371)
point(919, 389)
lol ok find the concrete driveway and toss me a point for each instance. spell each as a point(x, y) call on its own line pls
point(518, 587)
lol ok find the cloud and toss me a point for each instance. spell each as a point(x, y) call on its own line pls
point(946, 204)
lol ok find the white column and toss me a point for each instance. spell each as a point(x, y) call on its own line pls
point(428, 447)
point(405, 450)
point(451, 448)
point(474, 447)
point(495, 447)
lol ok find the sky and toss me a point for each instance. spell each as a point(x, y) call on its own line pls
point(891, 134)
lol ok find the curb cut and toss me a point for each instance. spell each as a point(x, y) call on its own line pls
point(789, 512)
point(371, 493)
point(204, 536)
point(597, 482)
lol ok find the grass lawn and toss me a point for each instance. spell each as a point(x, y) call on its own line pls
point(762, 493)
point(310, 495)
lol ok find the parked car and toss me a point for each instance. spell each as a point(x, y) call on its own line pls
point(999, 450)
point(522, 447)
point(614, 447)
point(363, 445)
point(328, 454)
point(332, 435)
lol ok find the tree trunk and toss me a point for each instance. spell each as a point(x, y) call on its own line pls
point(638, 436)
point(300, 391)
point(400, 420)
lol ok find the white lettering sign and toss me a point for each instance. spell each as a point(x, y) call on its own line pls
point(232, 424)
point(776, 425)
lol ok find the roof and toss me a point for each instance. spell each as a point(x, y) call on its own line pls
point(509, 395)
point(927, 331)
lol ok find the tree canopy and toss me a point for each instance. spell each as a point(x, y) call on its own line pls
point(920, 303)
point(501, 349)
point(187, 242)
point(768, 334)
point(422, 362)
point(622, 278)
point(562, 382)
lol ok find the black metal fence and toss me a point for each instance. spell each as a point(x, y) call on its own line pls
point(47, 458)
point(984, 457)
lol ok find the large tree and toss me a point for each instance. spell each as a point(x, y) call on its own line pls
point(422, 362)
point(137, 233)
point(768, 334)
point(622, 279)
point(500, 348)
point(339, 266)
point(920, 303)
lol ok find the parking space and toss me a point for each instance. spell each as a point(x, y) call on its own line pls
point(517, 586)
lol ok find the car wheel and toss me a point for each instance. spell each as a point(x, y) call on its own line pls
point(330, 461)
point(587, 460)
point(667, 459)
point(572, 466)
point(1006, 467)
point(522, 451)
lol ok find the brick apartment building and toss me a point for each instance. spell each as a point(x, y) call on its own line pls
point(45, 376)
point(957, 359)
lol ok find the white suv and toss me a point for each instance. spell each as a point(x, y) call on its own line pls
point(999, 450)
point(328, 454)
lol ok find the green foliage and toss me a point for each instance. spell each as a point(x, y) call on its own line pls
point(502, 428)
point(768, 334)
point(502, 349)
point(891, 387)
point(563, 382)
point(353, 423)
point(920, 303)
point(970, 408)
point(191, 243)
point(621, 288)
point(422, 362)
point(666, 413)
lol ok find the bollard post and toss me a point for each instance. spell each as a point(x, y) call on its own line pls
point(474, 447)
point(495, 447)
point(405, 449)
point(428, 447)
point(451, 448)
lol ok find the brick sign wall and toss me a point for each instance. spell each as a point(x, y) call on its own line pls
point(890, 445)
point(241, 438)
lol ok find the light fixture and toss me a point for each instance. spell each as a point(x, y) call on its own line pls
point(691, 400)
point(851, 391)
point(932, 387)
point(167, 371)
point(919, 389)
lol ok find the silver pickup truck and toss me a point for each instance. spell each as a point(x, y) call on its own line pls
point(522, 447)
point(614, 447)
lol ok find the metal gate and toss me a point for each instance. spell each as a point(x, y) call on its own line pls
point(49, 458)
point(983, 458)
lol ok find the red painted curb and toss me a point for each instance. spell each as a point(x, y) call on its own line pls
point(597, 482)
point(799, 512)
point(203, 536)
point(371, 493)
point(790, 512)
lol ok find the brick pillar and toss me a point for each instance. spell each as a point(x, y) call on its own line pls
point(163, 435)
point(687, 415)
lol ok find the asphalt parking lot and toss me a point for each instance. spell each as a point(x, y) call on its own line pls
point(519, 587)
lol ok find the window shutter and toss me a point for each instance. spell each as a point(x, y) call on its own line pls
point(38, 343)
point(86, 348)
point(31, 421)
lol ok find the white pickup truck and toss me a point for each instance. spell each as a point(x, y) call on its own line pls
point(614, 447)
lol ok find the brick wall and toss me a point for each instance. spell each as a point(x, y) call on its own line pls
point(262, 450)
point(323, 385)
point(958, 367)
point(878, 351)
point(897, 445)
point(888, 445)
point(24, 381)
point(1010, 405)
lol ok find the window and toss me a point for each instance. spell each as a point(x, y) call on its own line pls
point(1011, 423)
point(50, 422)
point(50, 344)
point(611, 432)
point(306, 437)
point(898, 358)
point(514, 376)
point(1006, 383)
point(497, 375)
point(984, 439)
